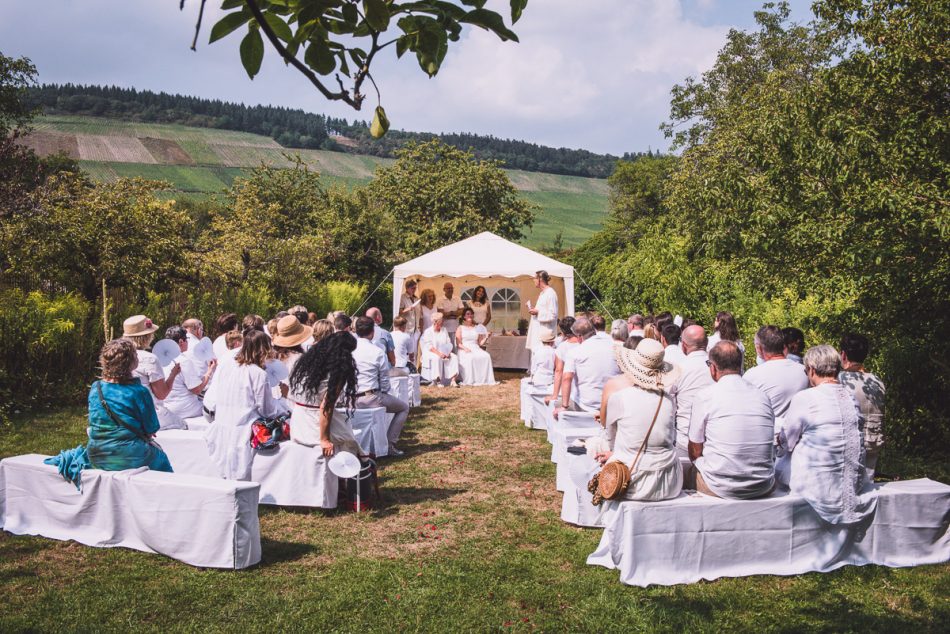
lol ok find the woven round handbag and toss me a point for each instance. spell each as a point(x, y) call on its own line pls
point(614, 478)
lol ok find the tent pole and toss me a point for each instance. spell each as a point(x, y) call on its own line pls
point(593, 294)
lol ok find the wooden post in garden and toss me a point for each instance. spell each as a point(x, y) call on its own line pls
point(105, 313)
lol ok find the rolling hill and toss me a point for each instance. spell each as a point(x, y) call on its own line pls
point(201, 161)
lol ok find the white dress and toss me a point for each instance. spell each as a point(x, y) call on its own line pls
point(147, 372)
point(475, 367)
point(305, 423)
point(659, 475)
point(481, 312)
point(435, 368)
point(427, 317)
point(242, 396)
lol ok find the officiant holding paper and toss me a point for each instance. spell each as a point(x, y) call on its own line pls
point(409, 309)
point(544, 312)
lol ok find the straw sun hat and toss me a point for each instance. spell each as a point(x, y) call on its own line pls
point(645, 367)
point(137, 325)
point(290, 332)
point(547, 335)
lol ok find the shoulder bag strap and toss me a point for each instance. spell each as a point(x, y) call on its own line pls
point(115, 419)
point(646, 439)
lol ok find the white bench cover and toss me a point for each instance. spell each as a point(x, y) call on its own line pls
point(370, 427)
point(293, 475)
point(399, 387)
point(698, 537)
point(198, 423)
point(206, 522)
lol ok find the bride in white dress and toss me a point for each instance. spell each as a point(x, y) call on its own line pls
point(475, 367)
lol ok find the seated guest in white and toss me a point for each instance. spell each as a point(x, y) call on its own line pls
point(321, 328)
point(635, 325)
point(182, 399)
point(732, 432)
point(542, 360)
point(694, 379)
point(794, 344)
point(222, 326)
point(140, 330)
point(372, 382)
point(289, 340)
point(568, 342)
point(868, 391)
point(381, 337)
point(823, 435)
point(195, 331)
point(241, 396)
point(778, 377)
point(253, 322)
point(592, 364)
point(725, 328)
point(439, 363)
point(342, 322)
point(638, 417)
point(475, 367)
point(670, 338)
point(404, 349)
point(619, 332)
point(323, 391)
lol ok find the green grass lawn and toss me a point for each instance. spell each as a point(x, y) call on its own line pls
point(467, 538)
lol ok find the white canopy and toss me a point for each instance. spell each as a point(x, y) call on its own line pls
point(484, 256)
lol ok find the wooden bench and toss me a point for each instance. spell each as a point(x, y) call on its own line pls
point(206, 522)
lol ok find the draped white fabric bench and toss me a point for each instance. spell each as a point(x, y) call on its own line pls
point(534, 411)
point(399, 387)
point(371, 426)
point(567, 428)
point(292, 475)
point(206, 522)
point(698, 537)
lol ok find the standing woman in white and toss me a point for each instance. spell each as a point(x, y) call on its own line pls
point(475, 366)
point(482, 307)
point(439, 363)
point(242, 396)
point(544, 312)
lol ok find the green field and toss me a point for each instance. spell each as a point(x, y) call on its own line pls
point(467, 538)
point(571, 205)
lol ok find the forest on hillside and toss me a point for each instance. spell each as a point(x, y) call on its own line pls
point(294, 128)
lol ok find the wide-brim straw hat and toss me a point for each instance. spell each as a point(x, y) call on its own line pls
point(645, 367)
point(290, 332)
point(547, 335)
point(138, 325)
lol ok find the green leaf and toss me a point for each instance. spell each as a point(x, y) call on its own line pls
point(377, 14)
point(278, 26)
point(252, 52)
point(319, 57)
point(380, 123)
point(490, 21)
point(350, 13)
point(228, 24)
point(517, 6)
point(232, 4)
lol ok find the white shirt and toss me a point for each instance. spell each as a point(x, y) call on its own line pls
point(381, 338)
point(542, 366)
point(822, 430)
point(673, 354)
point(412, 317)
point(694, 379)
point(372, 367)
point(181, 400)
point(404, 348)
point(220, 346)
point(446, 305)
point(734, 421)
point(780, 379)
point(592, 364)
point(192, 342)
point(636, 332)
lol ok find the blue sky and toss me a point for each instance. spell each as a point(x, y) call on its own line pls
point(592, 74)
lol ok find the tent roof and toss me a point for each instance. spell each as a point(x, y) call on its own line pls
point(483, 255)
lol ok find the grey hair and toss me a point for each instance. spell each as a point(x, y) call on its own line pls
point(618, 330)
point(824, 360)
point(583, 328)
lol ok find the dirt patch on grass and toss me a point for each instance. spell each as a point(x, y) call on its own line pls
point(167, 151)
point(49, 143)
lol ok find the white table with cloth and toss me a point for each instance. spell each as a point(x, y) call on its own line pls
point(508, 352)
point(698, 537)
point(206, 522)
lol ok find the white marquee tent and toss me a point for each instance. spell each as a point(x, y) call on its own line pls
point(506, 270)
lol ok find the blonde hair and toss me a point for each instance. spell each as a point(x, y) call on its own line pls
point(423, 298)
point(118, 360)
point(321, 328)
point(650, 332)
point(272, 327)
point(233, 337)
point(140, 341)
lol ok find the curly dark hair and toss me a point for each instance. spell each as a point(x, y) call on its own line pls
point(331, 360)
point(484, 295)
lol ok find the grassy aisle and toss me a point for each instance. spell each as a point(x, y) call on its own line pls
point(467, 538)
